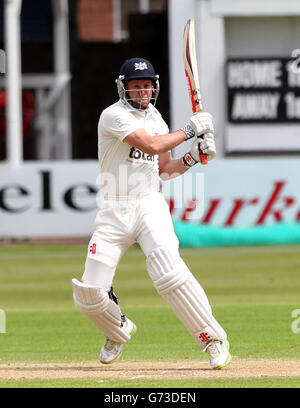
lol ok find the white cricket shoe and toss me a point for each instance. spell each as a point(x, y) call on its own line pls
point(219, 355)
point(112, 350)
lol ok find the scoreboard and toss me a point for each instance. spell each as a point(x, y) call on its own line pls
point(263, 90)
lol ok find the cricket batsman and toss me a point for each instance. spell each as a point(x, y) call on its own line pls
point(134, 151)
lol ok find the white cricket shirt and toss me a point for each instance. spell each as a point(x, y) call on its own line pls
point(125, 170)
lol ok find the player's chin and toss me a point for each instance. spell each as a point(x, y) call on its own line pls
point(141, 104)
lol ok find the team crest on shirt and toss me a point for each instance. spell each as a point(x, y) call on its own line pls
point(140, 66)
point(119, 123)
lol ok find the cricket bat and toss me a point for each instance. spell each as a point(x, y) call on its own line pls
point(191, 71)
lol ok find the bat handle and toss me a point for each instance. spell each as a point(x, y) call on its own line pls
point(203, 159)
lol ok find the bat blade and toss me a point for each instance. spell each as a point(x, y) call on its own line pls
point(191, 70)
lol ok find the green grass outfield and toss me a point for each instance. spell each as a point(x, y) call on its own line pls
point(253, 292)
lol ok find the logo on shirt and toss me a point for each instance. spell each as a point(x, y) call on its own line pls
point(119, 123)
point(138, 154)
point(140, 66)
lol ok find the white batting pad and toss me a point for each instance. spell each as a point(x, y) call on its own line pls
point(176, 284)
point(95, 303)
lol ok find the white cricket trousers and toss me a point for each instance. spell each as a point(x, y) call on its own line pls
point(147, 221)
point(122, 223)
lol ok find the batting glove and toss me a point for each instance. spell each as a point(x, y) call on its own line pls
point(193, 156)
point(207, 145)
point(189, 132)
point(200, 146)
point(202, 123)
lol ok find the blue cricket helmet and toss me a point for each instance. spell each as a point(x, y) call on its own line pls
point(137, 68)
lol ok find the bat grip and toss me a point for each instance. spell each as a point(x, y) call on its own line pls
point(203, 159)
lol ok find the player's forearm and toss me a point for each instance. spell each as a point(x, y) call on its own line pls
point(164, 143)
point(155, 144)
point(172, 169)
